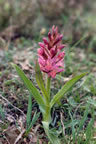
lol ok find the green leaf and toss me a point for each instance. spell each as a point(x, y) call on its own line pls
point(40, 82)
point(89, 129)
point(32, 89)
point(29, 111)
point(65, 88)
point(34, 119)
point(84, 118)
point(52, 137)
point(73, 127)
point(2, 113)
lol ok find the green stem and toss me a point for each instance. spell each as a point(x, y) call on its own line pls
point(48, 87)
point(52, 137)
point(47, 116)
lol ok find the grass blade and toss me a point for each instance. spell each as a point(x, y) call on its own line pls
point(73, 127)
point(84, 118)
point(34, 119)
point(29, 111)
point(89, 129)
point(2, 113)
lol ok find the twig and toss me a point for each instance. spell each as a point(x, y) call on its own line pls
point(61, 116)
point(77, 108)
point(12, 105)
point(6, 139)
point(19, 137)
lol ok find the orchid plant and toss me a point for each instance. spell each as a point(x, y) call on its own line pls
point(50, 61)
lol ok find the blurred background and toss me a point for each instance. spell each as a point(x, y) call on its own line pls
point(23, 23)
point(29, 19)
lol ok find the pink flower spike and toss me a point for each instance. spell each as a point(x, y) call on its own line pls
point(59, 38)
point(53, 29)
point(62, 46)
point(52, 74)
point(40, 51)
point(50, 56)
point(41, 45)
point(45, 41)
point(60, 55)
point(56, 30)
point(41, 62)
point(49, 36)
point(60, 70)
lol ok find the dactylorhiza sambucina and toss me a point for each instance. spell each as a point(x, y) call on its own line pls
point(50, 56)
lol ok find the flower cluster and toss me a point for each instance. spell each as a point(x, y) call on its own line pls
point(50, 54)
